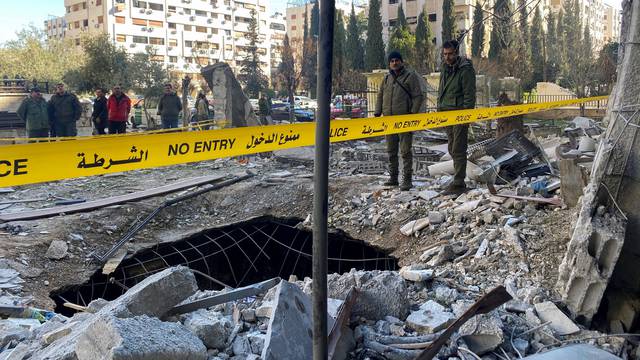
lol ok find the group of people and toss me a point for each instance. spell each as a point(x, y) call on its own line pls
point(58, 116)
point(401, 93)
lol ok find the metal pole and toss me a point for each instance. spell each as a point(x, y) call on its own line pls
point(321, 180)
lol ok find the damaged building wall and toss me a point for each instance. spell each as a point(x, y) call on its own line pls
point(230, 102)
point(591, 263)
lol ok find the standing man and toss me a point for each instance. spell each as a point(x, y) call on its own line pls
point(64, 112)
point(399, 94)
point(119, 106)
point(35, 113)
point(457, 91)
point(100, 113)
point(169, 108)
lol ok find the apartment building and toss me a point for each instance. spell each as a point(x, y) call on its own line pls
point(55, 27)
point(296, 11)
point(612, 19)
point(187, 34)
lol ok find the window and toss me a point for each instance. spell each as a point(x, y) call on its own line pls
point(393, 22)
point(187, 11)
point(276, 26)
point(228, 47)
point(188, 43)
point(293, 16)
point(140, 4)
point(227, 32)
point(76, 25)
point(121, 38)
point(173, 59)
point(188, 60)
point(98, 2)
point(262, 8)
point(201, 13)
point(100, 19)
point(171, 25)
point(156, 41)
point(171, 9)
point(294, 28)
point(227, 17)
point(432, 17)
point(393, 2)
point(173, 42)
point(201, 29)
point(85, 23)
point(215, 46)
point(155, 23)
point(187, 28)
point(214, 30)
point(227, 2)
point(140, 22)
point(84, 5)
point(157, 58)
point(214, 15)
point(140, 39)
point(158, 7)
point(68, 9)
point(119, 19)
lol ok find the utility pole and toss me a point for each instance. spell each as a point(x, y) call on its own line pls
point(321, 176)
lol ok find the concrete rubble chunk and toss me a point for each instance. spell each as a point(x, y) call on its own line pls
point(560, 323)
point(416, 273)
point(138, 338)
point(483, 333)
point(446, 294)
point(431, 317)
point(57, 250)
point(445, 254)
point(381, 293)
point(155, 295)
point(414, 226)
point(428, 194)
point(581, 351)
point(210, 326)
point(241, 346)
point(289, 335)
point(256, 339)
point(436, 217)
point(467, 207)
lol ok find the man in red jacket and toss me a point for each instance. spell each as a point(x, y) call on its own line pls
point(119, 106)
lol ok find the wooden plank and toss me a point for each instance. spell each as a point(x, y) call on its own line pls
point(96, 204)
point(114, 261)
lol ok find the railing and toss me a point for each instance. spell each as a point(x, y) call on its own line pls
point(535, 98)
point(22, 86)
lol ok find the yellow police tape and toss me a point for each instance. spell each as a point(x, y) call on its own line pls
point(85, 156)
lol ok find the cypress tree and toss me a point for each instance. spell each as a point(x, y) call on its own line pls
point(338, 51)
point(477, 36)
point(353, 47)
point(374, 46)
point(425, 50)
point(402, 19)
point(537, 53)
point(448, 20)
point(501, 30)
point(524, 20)
point(552, 48)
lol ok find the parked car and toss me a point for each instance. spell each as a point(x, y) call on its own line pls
point(280, 111)
point(305, 102)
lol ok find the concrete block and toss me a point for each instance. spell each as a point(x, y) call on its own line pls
point(210, 326)
point(138, 338)
point(256, 339)
point(289, 335)
point(382, 293)
point(436, 217)
point(416, 274)
point(241, 346)
point(430, 318)
point(483, 333)
point(560, 323)
point(57, 250)
point(591, 256)
point(414, 226)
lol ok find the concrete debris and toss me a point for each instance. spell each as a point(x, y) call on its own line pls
point(560, 323)
point(430, 318)
point(416, 273)
point(138, 338)
point(483, 333)
point(57, 250)
point(581, 351)
point(210, 326)
point(414, 226)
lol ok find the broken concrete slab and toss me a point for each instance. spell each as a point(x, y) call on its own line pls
point(431, 317)
point(436, 217)
point(381, 293)
point(57, 250)
point(428, 194)
point(560, 323)
point(210, 326)
point(256, 339)
point(483, 333)
point(416, 273)
point(581, 351)
point(444, 254)
point(155, 295)
point(289, 335)
point(467, 207)
point(138, 338)
point(414, 226)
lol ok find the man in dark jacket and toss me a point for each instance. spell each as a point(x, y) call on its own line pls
point(400, 93)
point(119, 107)
point(169, 108)
point(100, 113)
point(457, 91)
point(35, 113)
point(64, 111)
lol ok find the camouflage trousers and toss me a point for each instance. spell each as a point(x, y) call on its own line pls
point(402, 142)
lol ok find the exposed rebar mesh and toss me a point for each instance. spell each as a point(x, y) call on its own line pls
point(236, 255)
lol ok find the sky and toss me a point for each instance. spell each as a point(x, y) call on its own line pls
point(21, 13)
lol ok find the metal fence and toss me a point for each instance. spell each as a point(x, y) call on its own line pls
point(23, 86)
point(535, 98)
